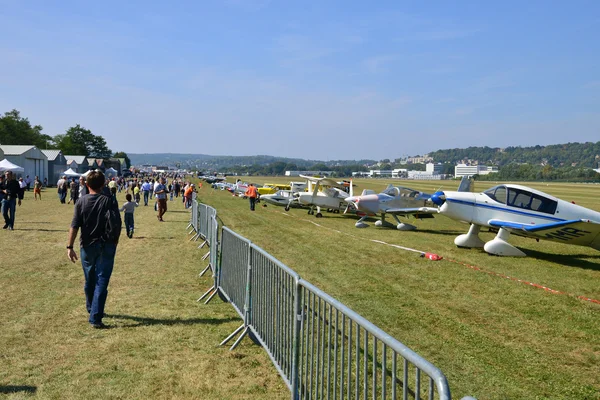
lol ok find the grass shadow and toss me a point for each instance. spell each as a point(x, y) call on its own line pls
point(147, 321)
point(153, 238)
point(569, 260)
point(42, 230)
point(16, 389)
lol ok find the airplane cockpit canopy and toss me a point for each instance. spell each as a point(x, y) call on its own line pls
point(520, 198)
point(392, 191)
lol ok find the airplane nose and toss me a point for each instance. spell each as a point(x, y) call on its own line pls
point(438, 198)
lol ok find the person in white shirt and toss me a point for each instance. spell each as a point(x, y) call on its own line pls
point(82, 187)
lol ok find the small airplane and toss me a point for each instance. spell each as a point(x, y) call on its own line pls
point(212, 179)
point(522, 211)
point(280, 198)
point(322, 193)
point(397, 201)
point(271, 188)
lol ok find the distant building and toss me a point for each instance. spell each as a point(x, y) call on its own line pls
point(434, 169)
point(30, 158)
point(308, 173)
point(380, 173)
point(469, 170)
point(81, 165)
point(419, 160)
point(400, 173)
point(57, 164)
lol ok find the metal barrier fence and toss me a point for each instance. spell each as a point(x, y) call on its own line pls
point(193, 219)
point(320, 347)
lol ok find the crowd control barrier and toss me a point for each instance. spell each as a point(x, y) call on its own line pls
point(193, 220)
point(321, 348)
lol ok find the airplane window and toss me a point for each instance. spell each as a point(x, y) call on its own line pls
point(497, 193)
point(530, 201)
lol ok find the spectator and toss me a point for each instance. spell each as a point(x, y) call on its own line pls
point(37, 188)
point(129, 208)
point(98, 244)
point(251, 194)
point(160, 191)
point(13, 194)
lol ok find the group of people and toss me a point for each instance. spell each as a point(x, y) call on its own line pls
point(92, 217)
point(97, 219)
point(75, 188)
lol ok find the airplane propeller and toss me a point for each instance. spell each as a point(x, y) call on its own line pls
point(438, 198)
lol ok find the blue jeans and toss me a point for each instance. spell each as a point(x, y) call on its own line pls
point(146, 195)
point(97, 261)
point(128, 222)
point(9, 207)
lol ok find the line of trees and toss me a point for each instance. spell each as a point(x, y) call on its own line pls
point(77, 140)
point(530, 172)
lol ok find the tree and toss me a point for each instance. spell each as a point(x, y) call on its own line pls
point(16, 130)
point(122, 154)
point(80, 141)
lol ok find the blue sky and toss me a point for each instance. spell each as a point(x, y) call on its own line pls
point(312, 79)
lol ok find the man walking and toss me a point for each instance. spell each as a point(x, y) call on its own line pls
point(146, 186)
point(160, 191)
point(98, 217)
point(251, 193)
point(13, 194)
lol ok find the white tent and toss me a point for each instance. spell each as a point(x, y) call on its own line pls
point(110, 173)
point(6, 165)
point(85, 174)
point(70, 173)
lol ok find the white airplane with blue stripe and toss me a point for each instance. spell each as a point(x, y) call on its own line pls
point(522, 211)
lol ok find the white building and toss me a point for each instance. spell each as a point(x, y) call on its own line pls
point(469, 170)
point(308, 173)
point(30, 158)
point(380, 173)
point(434, 169)
point(401, 173)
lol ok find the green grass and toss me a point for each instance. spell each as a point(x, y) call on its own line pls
point(163, 344)
point(493, 337)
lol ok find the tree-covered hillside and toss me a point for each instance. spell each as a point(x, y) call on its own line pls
point(585, 155)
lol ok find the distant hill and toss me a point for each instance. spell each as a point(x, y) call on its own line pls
point(585, 155)
point(208, 162)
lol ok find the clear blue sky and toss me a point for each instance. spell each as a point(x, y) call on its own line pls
point(312, 79)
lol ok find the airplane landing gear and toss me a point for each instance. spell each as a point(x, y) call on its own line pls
point(319, 215)
point(403, 226)
point(470, 239)
point(499, 246)
point(360, 223)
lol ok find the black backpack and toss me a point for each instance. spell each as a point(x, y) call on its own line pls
point(113, 224)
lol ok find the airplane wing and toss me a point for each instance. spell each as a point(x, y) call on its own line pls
point(580, 232)
point(417, 212)
point(323, 181)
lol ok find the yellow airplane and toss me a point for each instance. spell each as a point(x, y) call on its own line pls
point(271, 188)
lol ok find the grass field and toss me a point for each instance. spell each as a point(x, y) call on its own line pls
point(162, 344)
point(494, 337)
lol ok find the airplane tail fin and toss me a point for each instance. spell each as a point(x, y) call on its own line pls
point(466, 184)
